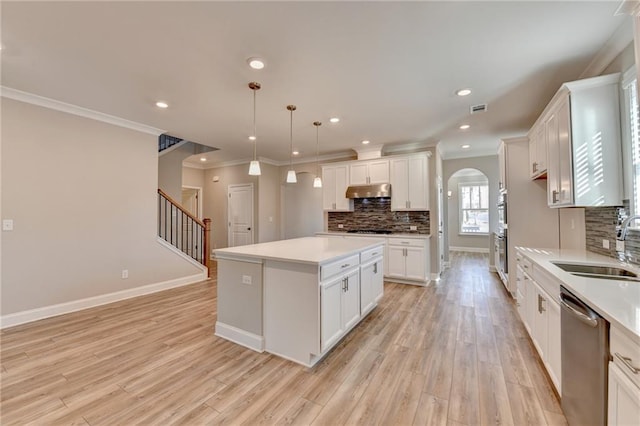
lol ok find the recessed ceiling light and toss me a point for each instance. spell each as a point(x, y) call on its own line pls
point(334, 120)
point(465, 146)
point(365, 142)
point(464, 127)
point(256, 63)
point(463, 92)
point(296, 152)
point(203, 158)
point(252, 138)
point(162, 104)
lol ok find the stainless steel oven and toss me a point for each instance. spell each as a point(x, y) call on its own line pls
point(502, 213)
point(502, 255)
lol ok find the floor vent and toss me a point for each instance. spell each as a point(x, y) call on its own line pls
point(478, 108)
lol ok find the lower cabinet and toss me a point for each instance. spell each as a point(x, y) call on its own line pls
point(408, 259)
point(371, 284)
point(339, 306)
point(624, 399)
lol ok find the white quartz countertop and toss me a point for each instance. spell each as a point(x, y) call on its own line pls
point(353, 234)
point(313, 250)
point(617, 301)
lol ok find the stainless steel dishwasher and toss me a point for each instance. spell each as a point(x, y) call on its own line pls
point(585, 358)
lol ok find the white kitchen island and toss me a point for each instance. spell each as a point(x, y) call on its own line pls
point(297, 298)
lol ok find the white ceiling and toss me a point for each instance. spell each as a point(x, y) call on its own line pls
point(389, 70)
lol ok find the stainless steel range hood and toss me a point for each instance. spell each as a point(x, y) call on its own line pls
point(380, 190)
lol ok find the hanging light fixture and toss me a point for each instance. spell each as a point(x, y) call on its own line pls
point(291, 174)
point(254, 166)
point(317, 182)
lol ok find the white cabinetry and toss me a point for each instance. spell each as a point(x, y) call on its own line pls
point(335, 180)
point(624, 380)
point(537, 151)
point(541, 315)
point(410, 183)
point(582, 129)
point(408, 259)
point(371, 284)
point(369, 172)
point(339, 306)
point(502, 164)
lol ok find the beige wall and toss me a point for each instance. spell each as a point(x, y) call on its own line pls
point(83, 197)
point(192, 177)
point(268, 203)
point(170, 170)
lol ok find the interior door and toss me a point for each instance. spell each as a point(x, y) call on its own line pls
point(440, 226)
point(240, 214)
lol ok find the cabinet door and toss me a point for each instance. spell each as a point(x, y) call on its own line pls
point(541, 151)
point(533, 153)
point(624, 399)
point(418, 187)
point(351, 300)
point(414, 263)
point(379, 171)
point(367, 296)
point(342, 182)
point(521, 291)
point(531, 304)
point(378, 280)
point(331, 327)
point(358, 174)
point(502, 164)
point(553, 168)
point(540, 326)
point(328, 188)
point(564, 154)
point(396, 261)
point(399, 184)
point(553, 361)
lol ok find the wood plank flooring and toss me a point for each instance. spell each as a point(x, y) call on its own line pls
point(453, 353)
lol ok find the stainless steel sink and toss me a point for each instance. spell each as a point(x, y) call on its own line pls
point(607, 277)
point(595, 271)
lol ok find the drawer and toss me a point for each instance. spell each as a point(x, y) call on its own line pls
point(548, 282)
point(526, 265)
point(626, 354)
point(406, 242)
point(371, 254)
point(334, 268)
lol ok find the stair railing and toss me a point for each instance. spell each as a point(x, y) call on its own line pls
point(183, 230)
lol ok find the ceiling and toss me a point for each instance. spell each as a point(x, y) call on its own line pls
point(389, 70)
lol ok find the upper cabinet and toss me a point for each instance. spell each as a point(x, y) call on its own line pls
point(581, 128)
point(335, 179)
point(538, 151)
point(369, 172)
point(410, 182)
point(502, 163)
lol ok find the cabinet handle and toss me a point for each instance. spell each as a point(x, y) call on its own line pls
point(344, 284)
point(333, 206)
point(554, 196)
point(535, 166)
point(368, 179)
point(404, 242)
point(406, 204)
point(375, 253)
point(346, 265)
point(375, 268)
point(627, 362)
point(541, 300)
point(500, 185)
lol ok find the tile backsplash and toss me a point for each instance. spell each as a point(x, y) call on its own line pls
point(375, 213)
point(600, 224)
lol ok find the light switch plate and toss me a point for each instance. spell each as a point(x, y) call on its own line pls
point(619, 245)
point(7, 224)
point(246, 279)
point(605, 244)
point(340, 226)
point(413, 228)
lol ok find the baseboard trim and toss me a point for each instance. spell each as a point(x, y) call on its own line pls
point(470, 249)
point(31, 315)
point(239, 336)
point(492, 268)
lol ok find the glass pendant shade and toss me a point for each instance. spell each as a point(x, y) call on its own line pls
point(254, 168)
point(317, 182)
point(291, 176)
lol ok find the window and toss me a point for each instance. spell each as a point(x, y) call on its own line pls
point(631, 137)
point(474, 208)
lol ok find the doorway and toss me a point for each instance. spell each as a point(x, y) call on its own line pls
point(240, 214)
point(192, 200)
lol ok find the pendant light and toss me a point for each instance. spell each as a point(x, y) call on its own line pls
point(317, 182)
point(254, 166)
point(291, 174)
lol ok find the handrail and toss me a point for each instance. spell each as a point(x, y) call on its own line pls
point(182, 209)
point(183, 230)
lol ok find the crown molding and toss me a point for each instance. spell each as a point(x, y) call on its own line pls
point(30, 98)
point(345, 155)
point(476, 153)
point(618, 41)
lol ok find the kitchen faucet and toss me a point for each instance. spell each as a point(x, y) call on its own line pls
point(623, 228)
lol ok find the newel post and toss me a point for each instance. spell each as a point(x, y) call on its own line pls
point(206, 255)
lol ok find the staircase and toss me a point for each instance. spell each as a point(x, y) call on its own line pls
point(182, 230)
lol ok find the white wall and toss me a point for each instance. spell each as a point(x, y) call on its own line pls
point(301, 207)
point(487, 165)
point(193, 177)
point(83, 197)
point(269, 204)
point(453, 220)
point(170, 170)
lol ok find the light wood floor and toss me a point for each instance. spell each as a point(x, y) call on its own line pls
point(453, 353)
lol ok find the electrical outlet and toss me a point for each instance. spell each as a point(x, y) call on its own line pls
point(246, 279)
point(619, 246)
point(413, 228)
point(7, 224)
point(125, 274)
point(340, 226)
point(605, 244)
